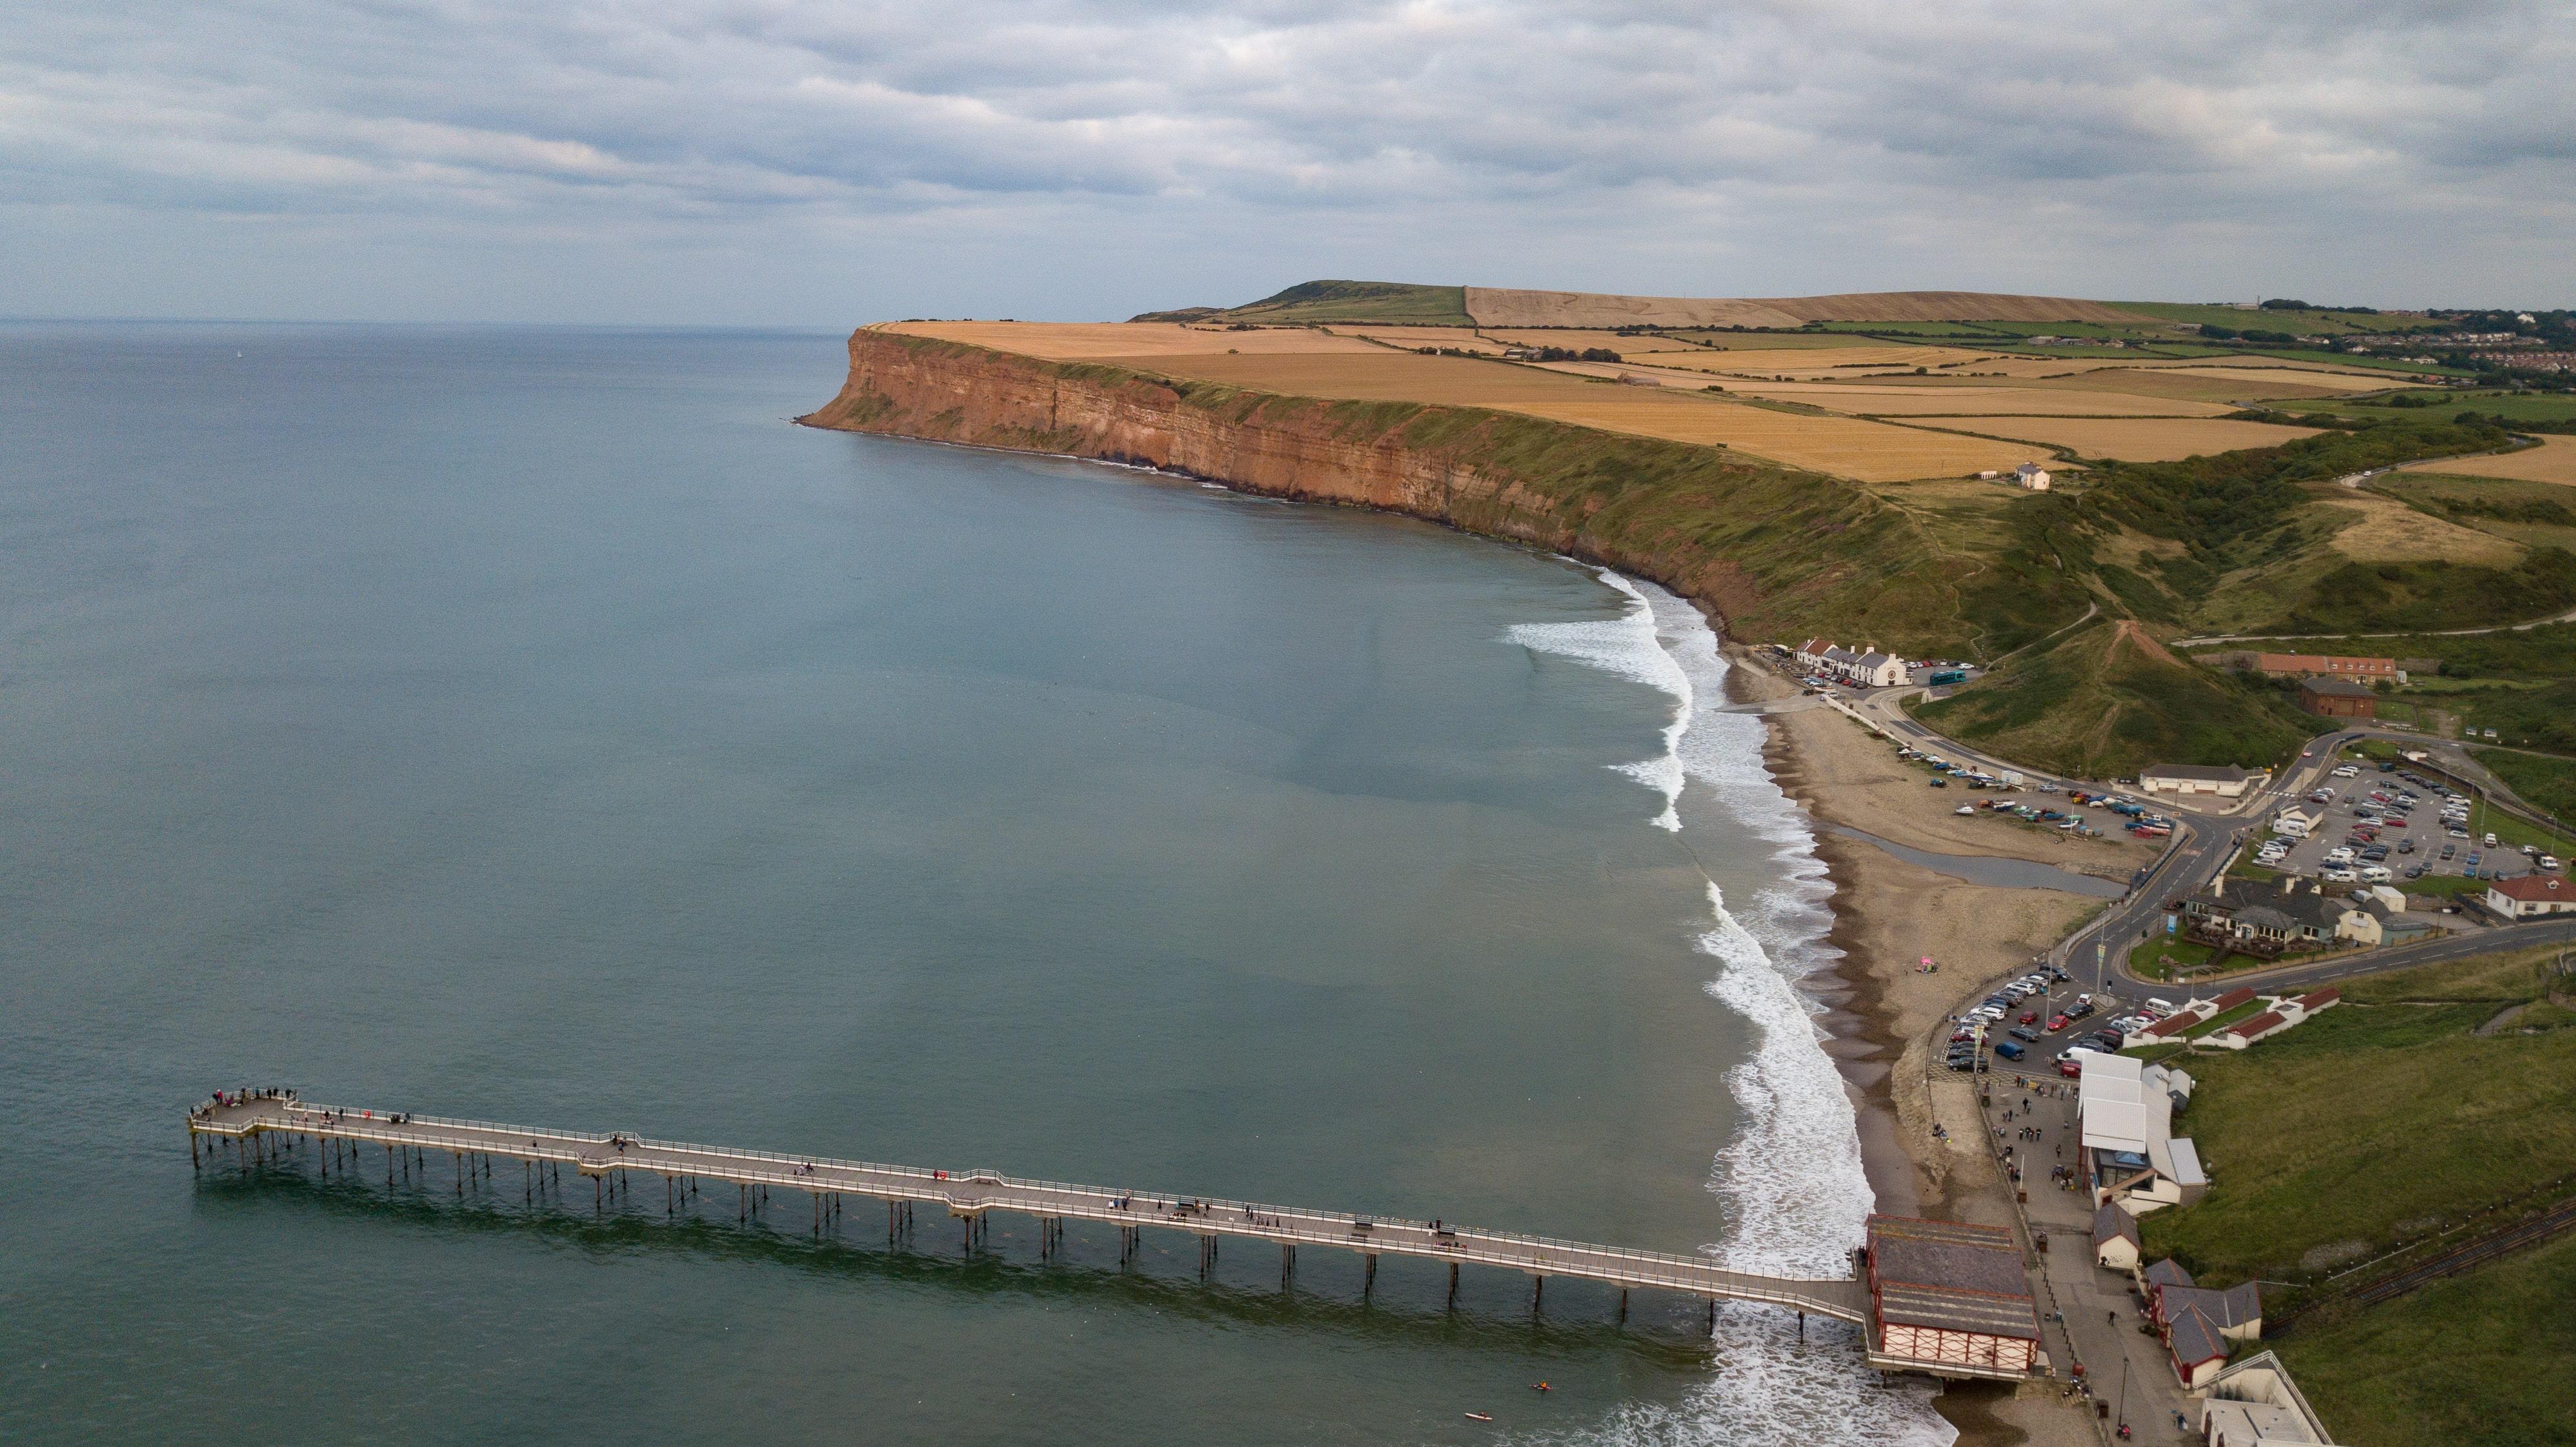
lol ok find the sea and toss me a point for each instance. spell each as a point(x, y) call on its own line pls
point(534, 725)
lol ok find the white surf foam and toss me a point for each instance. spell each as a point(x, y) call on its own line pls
point(1791, 1181)
point(1627, 647)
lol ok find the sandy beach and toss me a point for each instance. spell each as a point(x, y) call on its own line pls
point(1888, 915)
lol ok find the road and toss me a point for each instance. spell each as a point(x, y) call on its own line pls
point(2206, 838)
point(2567, 617)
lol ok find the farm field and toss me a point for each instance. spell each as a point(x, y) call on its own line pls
point(1092, 341)
point(2139, 439)
point(2201, 384)
point(2541, 514)
point(1748, 341)
point(2309, 323)
point(1970, 399)
point(1518, 307)
point(1869, 451)
point(2554, 460)
point(1459, 337)
point(1803, 362)
point(2305, 376)
point(2391, 532)
point(2521, 407)
point(2083, 413)
point(1312, 364)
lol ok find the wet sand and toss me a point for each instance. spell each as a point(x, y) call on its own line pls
point(1884, 1009)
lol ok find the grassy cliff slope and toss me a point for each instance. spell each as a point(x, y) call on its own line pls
point(2106, 698)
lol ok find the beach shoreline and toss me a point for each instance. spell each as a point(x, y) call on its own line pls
point(1882, 1011)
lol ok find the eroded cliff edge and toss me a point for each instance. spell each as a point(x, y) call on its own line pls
point(1773, 551)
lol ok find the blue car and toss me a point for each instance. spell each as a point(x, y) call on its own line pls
point(2009, 1050)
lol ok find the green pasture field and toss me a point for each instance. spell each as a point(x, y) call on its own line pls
point(2367, 1125)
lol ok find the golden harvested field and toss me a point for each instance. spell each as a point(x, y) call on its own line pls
point(1869, 451)
point(2391, 532)
point(1092, 341)
point(2035, 367)
point(2141, 439)
point(1458, 337)
point(1307, 363)
point(1520, 307)
point(2554, 460)
point(2327, 378)
point(1768, 341)
point(1578, 340)
point(1840, 362)
point(2192, 384)
point(1971, 399)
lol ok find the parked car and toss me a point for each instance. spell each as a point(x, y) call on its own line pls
point(2070, 1068)
point(2024, 1032)
point(2057, 1023)
point(2008, 1050)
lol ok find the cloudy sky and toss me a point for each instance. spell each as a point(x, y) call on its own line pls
point(781, 162)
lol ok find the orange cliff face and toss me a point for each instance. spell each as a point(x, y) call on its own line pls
point(1775, 551)
point(1279, 446)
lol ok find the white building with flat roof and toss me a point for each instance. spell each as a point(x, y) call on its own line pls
point(2132, 1158)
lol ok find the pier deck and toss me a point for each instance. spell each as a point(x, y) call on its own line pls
point(970, 1194)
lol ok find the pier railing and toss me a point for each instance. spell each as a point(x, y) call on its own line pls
point(973, 1193)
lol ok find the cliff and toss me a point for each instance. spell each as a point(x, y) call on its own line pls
point(1777, 553)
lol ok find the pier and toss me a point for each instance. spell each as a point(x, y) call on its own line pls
point(348, 1139)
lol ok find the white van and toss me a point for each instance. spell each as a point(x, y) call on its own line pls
point(2376, 874)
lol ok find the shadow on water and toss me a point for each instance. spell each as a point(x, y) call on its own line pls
point(1663, 1330)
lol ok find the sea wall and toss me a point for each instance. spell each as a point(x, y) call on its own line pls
point(1769, 550)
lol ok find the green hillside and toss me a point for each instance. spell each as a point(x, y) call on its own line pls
point(2105, 699)
point(1391, 302)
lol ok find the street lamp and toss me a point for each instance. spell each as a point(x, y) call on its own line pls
point(2123, 1413)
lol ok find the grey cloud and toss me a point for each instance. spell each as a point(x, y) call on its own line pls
point(1783, 140)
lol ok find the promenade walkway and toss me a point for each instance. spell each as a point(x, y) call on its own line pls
point(970, 1194)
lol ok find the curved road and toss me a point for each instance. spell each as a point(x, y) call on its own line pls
point(2204, 839)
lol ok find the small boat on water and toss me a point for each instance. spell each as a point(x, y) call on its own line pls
point(1478, 1417)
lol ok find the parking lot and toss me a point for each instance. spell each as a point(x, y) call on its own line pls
point(2405, 823)
point(2029, 1024)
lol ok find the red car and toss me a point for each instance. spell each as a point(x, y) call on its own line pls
point(2056, 1023)
point(2070, 1068)
point(2030, 1017)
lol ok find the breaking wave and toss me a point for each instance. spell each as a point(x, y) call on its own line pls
point(1791, 1183)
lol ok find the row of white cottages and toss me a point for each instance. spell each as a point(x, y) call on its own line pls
point(1868, 669)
